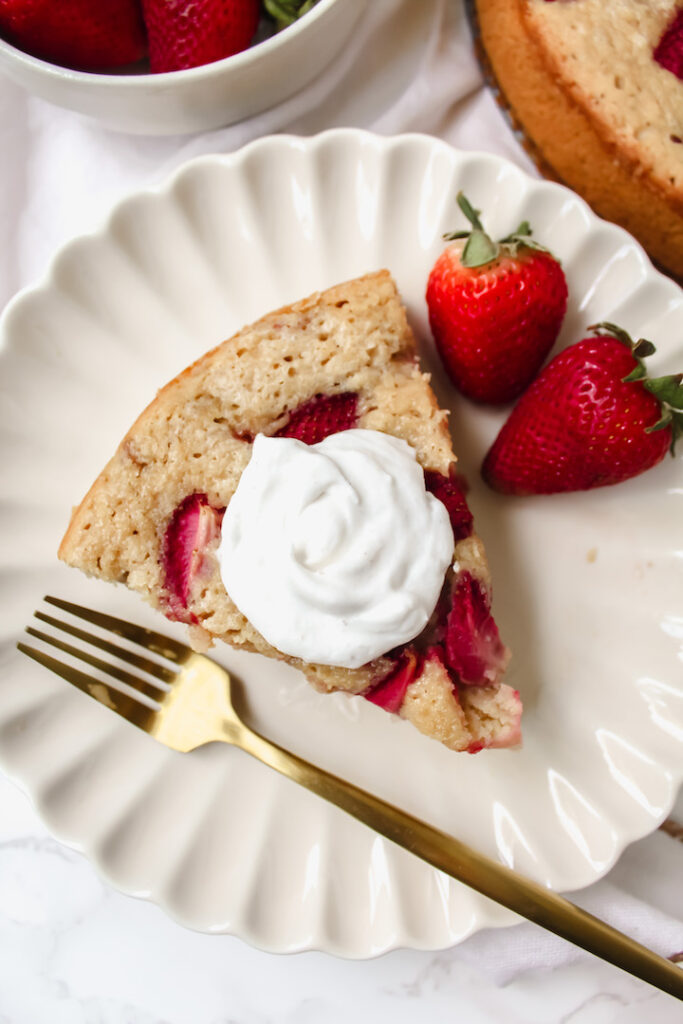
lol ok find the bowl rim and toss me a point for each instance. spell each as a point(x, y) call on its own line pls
point(109, 80)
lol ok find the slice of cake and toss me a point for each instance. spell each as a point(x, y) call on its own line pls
point(340, 360)
point(598, 88)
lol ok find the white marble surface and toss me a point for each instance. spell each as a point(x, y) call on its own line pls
point(72, 951)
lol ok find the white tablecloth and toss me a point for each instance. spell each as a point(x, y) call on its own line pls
point(410, 67)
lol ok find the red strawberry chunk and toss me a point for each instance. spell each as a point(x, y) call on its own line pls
point(193, 526)
point(390, 691)
point(450, 490)
point(669, 51)
point(321, 416)
point(474, 650)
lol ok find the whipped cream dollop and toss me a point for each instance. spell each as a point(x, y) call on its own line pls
point(335, 551)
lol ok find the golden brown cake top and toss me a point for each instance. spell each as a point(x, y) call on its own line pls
point(602, 52)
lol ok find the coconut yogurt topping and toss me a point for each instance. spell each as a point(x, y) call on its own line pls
point(335, 552)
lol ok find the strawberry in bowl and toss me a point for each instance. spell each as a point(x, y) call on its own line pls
point(183, 35)
point(192, 67)
point(76, 33)
point(115, 33)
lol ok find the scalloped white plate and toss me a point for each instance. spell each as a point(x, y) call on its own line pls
point(587, 586)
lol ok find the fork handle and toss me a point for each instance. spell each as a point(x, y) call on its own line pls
point(500, 883)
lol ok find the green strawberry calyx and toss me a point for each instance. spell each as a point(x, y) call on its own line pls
point(480, 247)
point(668, 390)
point(286, 12)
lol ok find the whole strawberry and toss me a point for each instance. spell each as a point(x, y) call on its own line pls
point(184, 34)
point(495, 309)
point(88, 34)
point(591, 418)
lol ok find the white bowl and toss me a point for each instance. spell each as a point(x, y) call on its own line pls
point(200, 98)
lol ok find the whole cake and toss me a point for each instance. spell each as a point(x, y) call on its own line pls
point(227, 476)
point(598, 88)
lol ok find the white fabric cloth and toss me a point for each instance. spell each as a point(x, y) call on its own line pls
point(409, 67)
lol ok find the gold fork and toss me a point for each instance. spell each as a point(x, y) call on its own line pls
point(192, 706)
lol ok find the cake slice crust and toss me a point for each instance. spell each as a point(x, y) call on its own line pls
point(188, 449)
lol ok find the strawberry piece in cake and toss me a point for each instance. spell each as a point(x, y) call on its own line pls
point(321, 416)
point(194, 525)
point(450, 490)
point(669, 50)
point(474, 650)
point(389, 693)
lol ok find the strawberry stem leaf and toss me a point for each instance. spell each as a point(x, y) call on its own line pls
point(643, 348)
point(518, 241)
point(479, 249)
point(676, 429)
point(469, 211)
point(522, 234)
point(667, 389)
point(286, 12)
point(664, 421)
point(521, 238)
point(670, 418)
point(617, 332)
point(640, 350)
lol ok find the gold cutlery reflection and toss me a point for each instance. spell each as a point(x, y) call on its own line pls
point(185, 701)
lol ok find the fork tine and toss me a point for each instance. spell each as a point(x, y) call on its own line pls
point(168, 648)
point(129, 708)
point(104, 666)
point(153, 668)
